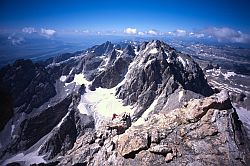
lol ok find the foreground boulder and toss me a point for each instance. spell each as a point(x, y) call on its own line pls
point(183, 136)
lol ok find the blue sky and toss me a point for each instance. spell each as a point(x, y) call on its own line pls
point(173, 17)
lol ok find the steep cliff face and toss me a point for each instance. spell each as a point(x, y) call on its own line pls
point(28, 84)
point(157, 72)
point(114, 68)
point(6, 107)
point(48, 134)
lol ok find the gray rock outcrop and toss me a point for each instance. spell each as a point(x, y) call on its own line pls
point(183, 136)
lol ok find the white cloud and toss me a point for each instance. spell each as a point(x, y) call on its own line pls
point(223, 34)
point(85, 31)
point(152, 32)
point(227, 34)
point(178, 33)
point(48, 32)
point(141, 33)
point(130, 31)
point(42, 31)
point(15, 40)
point(133, 31)
point(28, 30)
point(197, 35)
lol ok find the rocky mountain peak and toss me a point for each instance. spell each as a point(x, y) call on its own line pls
point(129, 50)
point(102, 49)
point(115, 67)
point(155, 44)
point(158, 71)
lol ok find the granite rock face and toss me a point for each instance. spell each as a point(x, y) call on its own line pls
point(116, 68)
point(104, 48)
point(63, 136)
point(183, 136)
point(28, 84)
point(52, 132)
point(32, 129)
point(158, 71)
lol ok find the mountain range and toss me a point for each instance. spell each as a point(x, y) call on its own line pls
point(62, 111)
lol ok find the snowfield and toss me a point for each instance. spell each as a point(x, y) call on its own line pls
point(101, 103)
point(229, 74)
point(83, 106)
point(79, 79)
point(104, 102)
point(28, 159)
point(218, 72)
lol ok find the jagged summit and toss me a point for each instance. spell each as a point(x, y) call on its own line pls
point(157, 73)
point(102, 49)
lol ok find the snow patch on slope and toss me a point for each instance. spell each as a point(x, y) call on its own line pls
point(30, 158)
point(182, 61)
point(144, 116)
point(80, 79)
point(102, 103)
point(104, 63)
point(244, 116)
point(12, 129)
point(229, 74)
point(153, 51)
point(136, 52)
point(180, 95)
point(149, 62)
point(63, 78)
point(83, 106)
point(225, 86)
point(120, 51)
point(67, 60)
point(60, 123)
point(218, 72)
